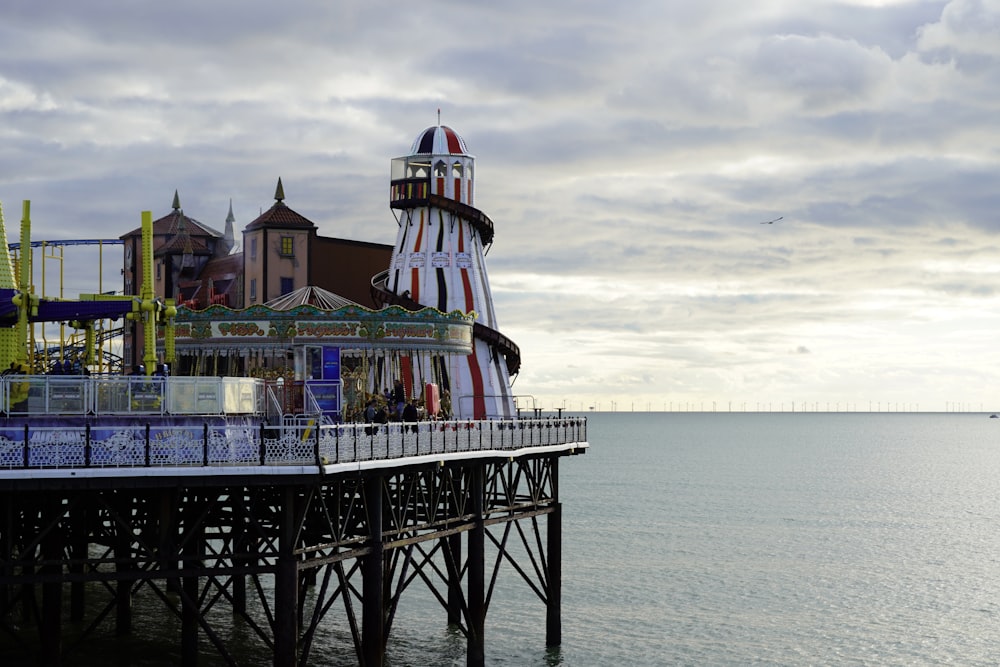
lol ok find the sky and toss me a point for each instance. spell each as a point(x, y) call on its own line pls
point(626, 152)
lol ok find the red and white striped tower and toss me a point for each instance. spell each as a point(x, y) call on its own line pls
point(438, 261)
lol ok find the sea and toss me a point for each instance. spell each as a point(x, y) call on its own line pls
point(779, 539)
point(773, 539)
point(741, 539)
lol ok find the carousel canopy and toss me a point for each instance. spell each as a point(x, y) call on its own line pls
point(272, 328)
point(310, 296)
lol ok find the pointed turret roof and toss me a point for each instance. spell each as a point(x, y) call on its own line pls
point(169, 224)
point(178, 233)
point(229, 236)
point(280, 216)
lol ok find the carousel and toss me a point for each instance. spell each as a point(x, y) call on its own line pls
point(323, 353)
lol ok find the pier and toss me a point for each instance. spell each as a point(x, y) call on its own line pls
point(216, 520)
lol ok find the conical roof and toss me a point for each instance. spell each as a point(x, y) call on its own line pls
point(310, 296)
point(280, 215)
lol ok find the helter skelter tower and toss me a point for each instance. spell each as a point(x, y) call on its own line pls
point(439, 261)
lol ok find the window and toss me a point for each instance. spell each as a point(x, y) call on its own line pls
point(253, 290)
point(287, 246)
point(287, 285)
point(253, 248)
point(418, 169)
point(158, 265)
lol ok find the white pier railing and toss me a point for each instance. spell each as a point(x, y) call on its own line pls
point(152, 446)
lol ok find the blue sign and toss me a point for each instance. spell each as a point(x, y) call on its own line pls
point(331, 363)
point(327, 395)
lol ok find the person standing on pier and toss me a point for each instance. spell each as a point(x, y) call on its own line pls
point(398, 400)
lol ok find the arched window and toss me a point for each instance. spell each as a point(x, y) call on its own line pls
point(418, 170)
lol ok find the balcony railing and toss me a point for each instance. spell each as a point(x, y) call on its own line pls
point(186, 446)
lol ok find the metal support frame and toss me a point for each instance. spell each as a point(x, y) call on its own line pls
point(206, 539)
point(476, 642)
point(373, 584)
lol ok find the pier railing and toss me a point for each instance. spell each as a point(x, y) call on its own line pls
point(152, 446)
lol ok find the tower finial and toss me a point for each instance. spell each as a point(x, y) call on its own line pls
point(279, 192)
point(177, 200)
point(439, 116)
point(229, 237)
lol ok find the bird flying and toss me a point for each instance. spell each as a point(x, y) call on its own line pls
point(771, 222)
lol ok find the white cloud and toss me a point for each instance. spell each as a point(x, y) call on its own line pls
point(823, 74)
point(18, 97)
point(966, 27)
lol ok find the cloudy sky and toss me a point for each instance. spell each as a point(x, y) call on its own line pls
point(627, 153)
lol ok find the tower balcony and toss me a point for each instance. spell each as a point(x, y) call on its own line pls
point(416, 193)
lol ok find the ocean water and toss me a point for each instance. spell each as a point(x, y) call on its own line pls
point(733, 539)
point(779, 539)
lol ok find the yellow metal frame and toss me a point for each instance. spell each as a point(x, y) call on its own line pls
point(17, 344)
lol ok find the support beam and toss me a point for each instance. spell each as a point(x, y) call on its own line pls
point(28, 601)
point(6, 556)
point(192, 552)
point(476, 649)
point(454, 545)
point(373, 583)
point(50, 628)
point(124, 565)
point(553, 606)
point(241, 549)
point(167, 507)
point(286, 587)
point(78, 548)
